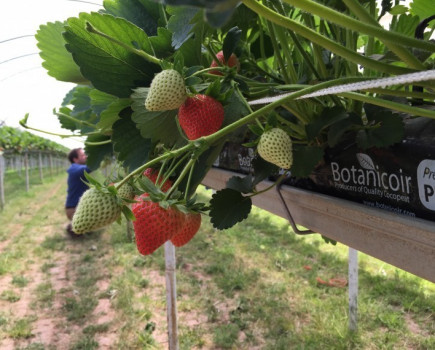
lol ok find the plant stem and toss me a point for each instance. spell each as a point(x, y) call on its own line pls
point(323, 41)
point(81, 122)
point(202, 71)
point(210, 139)
point(278, 52)
point(389, 104)
point(189, 181)
point(366, 17)
point(359, 26)
point(180, 178)
point(100, 143)
point(166, 155)
point(282, 176)
point(140, 53)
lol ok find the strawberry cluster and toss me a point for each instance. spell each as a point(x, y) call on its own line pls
point(199, 115)
point(155, 225)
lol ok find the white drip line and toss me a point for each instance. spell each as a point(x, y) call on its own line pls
point(363, 85)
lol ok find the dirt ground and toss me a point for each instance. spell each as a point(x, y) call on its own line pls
point(50, 328)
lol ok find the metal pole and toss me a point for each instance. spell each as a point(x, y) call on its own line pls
point(353, 289)
point(171, 296)
point(41, 177)
point(51, 164)
point(2, 183)
point(26, 165)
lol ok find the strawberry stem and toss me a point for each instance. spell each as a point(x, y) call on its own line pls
point(205, 70)
point(329, 44)
point(66, 116)
point(24, 124)
point(282, 176)
point(180, 177)
point(100, 143)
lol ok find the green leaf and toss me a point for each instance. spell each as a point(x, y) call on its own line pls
point(305, 158)
point(111, 114)
point(215, 5)
point(231, 41)
point(57, 60)
point(65, 122)
point(100, 101)
point(228, 207)
point(406, 25)
point(262, 170)
point(214, 89)
point(96, 154)
point(132, 148)
point(92, 181)
point(180, 24)
point(82, 108)
point(328, 117)
point(157, 126)
point(128, 213)
point(144, 14)
point(255, 129)
point(385, 129)
point(337, 130)
point(110, 67)
point(423, 9)
point(398, 10)
point(162, 43)
point(179, 62)
point(241, 184)
point(147, 186)
point(218, 19)
point(202, 166)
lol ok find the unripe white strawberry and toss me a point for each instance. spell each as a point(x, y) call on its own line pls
point(126, 191)
point(275, 146)
point(94, 211)
point(167, 91)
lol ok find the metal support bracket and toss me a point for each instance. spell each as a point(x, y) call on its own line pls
point(289, 215)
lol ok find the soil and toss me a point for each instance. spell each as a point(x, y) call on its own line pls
point(50, 328)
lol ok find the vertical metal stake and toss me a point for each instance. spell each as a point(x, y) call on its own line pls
point(353, 289)
point(26, 164)
point(171, 296)
point(41, 176)
point(2, 183)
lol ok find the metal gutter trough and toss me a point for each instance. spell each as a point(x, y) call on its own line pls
point(402, 241)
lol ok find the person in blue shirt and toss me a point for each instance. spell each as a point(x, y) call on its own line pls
point(76, 183)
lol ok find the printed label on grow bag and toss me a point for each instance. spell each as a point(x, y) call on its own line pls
point(426, 183)
point(400, 178)
point(236, 157)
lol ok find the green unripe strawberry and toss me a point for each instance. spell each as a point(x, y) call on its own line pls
point(167, 91)
point(275, 147)
point(126, 191)
point(94, 211)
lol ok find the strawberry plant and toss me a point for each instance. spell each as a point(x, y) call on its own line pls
point(307, 76)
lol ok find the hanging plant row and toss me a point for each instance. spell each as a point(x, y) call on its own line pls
point(13, 140)
point(163, 86)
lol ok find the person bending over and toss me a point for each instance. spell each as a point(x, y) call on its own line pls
point(76, 183)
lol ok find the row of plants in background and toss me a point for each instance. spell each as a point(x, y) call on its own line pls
point(14, 140)
point(164, 87)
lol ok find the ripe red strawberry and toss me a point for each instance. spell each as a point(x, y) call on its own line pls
point(154, 225)
point(152, 174)
point(232, 61)
point(200, 115)
point(190, 227)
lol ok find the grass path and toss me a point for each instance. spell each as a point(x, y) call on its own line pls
point(254, 286)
